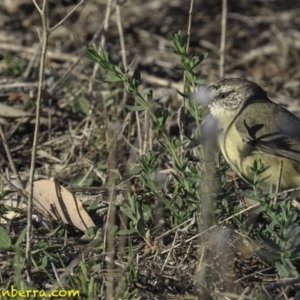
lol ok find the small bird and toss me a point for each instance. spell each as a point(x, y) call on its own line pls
point(252, 127)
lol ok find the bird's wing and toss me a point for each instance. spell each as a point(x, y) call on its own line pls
point(280, 135)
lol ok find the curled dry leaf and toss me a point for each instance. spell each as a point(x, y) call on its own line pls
point(53, 200)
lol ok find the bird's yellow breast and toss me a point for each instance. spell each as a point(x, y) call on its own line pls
point(241, 156)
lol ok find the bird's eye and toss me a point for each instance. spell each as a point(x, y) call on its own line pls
point(222, 95)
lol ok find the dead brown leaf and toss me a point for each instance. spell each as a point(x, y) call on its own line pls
point(52, 199)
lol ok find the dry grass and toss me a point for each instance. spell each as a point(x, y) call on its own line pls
point(88, 139)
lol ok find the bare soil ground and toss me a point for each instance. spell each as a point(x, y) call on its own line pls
point(263, 45)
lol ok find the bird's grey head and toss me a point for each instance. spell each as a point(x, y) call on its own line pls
point(230, 94)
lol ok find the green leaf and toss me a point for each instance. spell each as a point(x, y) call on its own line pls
point(121, 66)
point(146, 212)
point(94, 204)
point(282, 269)
point(128, 213)
point(91, 53)
point(83, 269)
point(84, 105)
point(41, 245)
point(268, 255)
point(186, 96)
point(77, 179)
point(136, 79)
point(270, 243)
point(126, 231)
point(140, 227)
point(135, 171)
point(44, 262)
point(21, 237)
point(200, 81)
point(134, 107)
point(131, 65)
point(102, 165)
point(5, 241)
point(5, 193)
point(289, 264)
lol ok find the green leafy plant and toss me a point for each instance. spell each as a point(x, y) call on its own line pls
point(280, 236)
point(14, 68)
point(185, 199)
point(138, 214)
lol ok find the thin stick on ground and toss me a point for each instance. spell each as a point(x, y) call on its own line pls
point(109, 237)
point(181, 112)
point(10, 159)
point(12, 186)
point(122, 242)
point(102, 41)
point(223, 38)
point(121, 32)
point(42, 12)
point(45, 35)
point(66, 17)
